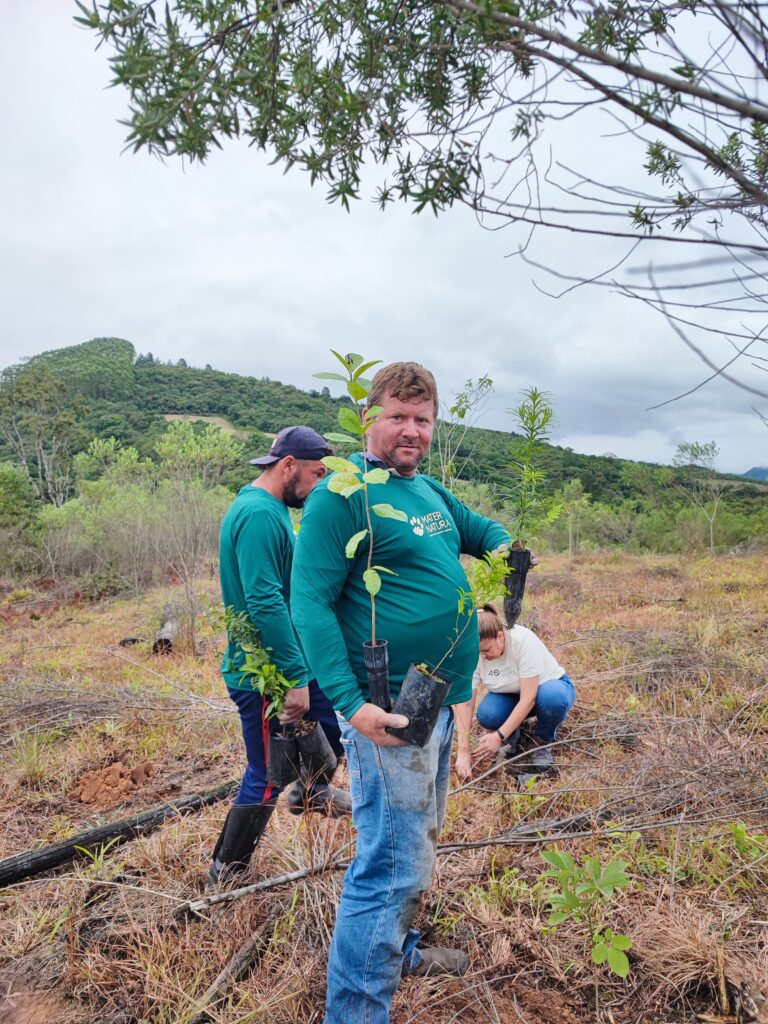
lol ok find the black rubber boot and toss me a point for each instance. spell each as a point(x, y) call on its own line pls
point(319, 796)
point(243, 828)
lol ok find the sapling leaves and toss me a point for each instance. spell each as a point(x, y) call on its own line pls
point(356, 390)
point(341, 439)
point(340, 465)
point(584, 892)
point(351, 422)
point(363, 367)
point(372, 581)
point(354, 542)
point(348, 479)
point(611, 947)
point(341, 482)
point(258, 666)
point(329, 376)
point(386, 511)
point(376, 476)
point(350, 361)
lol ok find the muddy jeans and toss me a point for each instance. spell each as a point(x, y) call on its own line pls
point(398, 805)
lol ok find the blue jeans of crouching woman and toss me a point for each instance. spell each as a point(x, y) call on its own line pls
point(554, 699)
point(398, 805)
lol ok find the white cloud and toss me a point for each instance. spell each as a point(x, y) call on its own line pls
point(240, 266)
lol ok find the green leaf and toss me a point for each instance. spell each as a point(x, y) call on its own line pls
point(341, 481)
point(341, 359)
point(621, 942)
point(356, 390)
point(341, 465)
point(350, 361)
point(599, 953)
point(558, 918)
point(376, 476)
point(371, 414)
point(365, 366)
point(614, 874)
point(563, 861)
point(618, 962)
point(341, 439)
point(372, 582)
point(329, 376)
point(348, 420)
point(386, 511)
point(353, 542)
point(382, 568)
point(347, 492)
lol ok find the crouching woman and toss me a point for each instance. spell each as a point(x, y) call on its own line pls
point(523, 680)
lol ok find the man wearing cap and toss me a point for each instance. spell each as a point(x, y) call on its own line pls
point(256, 552)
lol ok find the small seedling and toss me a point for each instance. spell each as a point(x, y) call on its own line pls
point(584, 893)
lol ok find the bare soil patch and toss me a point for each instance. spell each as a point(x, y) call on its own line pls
point(109, 786)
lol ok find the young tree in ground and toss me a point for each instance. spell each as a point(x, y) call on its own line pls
point(574, 501)
point(698, 480)
point(190, 503)
point(41, 422)
point(459, 102)
point(452, 426)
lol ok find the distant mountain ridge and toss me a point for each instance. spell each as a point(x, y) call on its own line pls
point(757, 473)
point(129, 396)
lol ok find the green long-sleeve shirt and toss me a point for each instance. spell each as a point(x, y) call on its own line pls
point(416, 611)
point(256, 550)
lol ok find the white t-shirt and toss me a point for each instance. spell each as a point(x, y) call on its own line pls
point(525, 655)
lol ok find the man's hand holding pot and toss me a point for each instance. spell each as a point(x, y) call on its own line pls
point(372, 721)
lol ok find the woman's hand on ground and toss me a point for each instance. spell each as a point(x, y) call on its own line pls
point(464, 764)
point(372, 721)
point(489, 744)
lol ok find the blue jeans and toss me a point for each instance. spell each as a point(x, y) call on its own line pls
point(554, 699)
point(398, 805)
point(255, 787)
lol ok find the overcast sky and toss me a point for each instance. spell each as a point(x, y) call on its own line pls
point(238, 265)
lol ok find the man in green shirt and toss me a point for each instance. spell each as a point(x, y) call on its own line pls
point(398, 792)
point(256, 550)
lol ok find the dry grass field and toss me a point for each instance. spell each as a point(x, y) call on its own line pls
point(662, 773)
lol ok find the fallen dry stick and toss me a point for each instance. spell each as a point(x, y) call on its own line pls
point(241, 962)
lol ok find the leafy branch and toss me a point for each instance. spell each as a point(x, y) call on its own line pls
point(348, 478)
point(266, 677)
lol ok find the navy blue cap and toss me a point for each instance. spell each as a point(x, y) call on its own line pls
point(300, 442)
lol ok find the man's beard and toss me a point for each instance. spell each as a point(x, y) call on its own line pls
point(291, 498)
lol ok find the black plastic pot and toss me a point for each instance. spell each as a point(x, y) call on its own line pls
point(283, 762)
point(318, 760)
point(420, 700)
point(519, 562)
point(377, 666)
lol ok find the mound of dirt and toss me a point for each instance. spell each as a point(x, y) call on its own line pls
point(108, 786)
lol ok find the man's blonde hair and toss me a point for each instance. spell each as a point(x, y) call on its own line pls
point(407, 381)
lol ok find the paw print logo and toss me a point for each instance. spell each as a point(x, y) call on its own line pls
point(418, 529)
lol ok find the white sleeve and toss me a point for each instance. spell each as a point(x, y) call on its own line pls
point(530, 657)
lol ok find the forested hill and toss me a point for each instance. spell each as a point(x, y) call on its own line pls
point(117, 392)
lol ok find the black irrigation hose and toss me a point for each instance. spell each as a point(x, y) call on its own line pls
point(34, 862)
